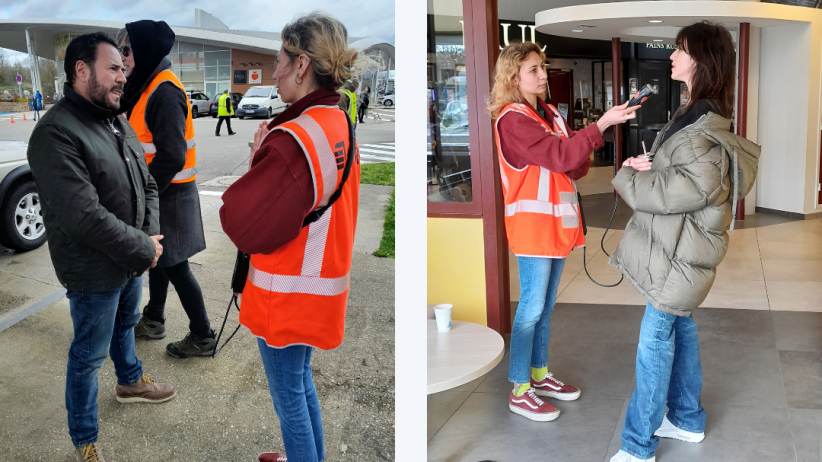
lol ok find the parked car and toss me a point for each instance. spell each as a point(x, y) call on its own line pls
point(235, 101)
point(21, 219)
point(387, 100)
point(261, 102)
point(199, 103)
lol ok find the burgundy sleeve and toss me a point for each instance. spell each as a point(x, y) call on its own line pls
point(525, 142)
point(264, 209)
point(581, 171)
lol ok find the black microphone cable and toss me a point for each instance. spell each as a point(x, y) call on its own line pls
point(602, 242)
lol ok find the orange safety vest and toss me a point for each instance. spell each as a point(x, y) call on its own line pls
point(138, 121)
point(541, 207)
point(297, 295)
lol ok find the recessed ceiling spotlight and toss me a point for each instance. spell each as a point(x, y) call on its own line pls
point(655, 20)
point(576, 30)
point(657, 40)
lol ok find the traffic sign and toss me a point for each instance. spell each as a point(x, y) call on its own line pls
point(19, 78)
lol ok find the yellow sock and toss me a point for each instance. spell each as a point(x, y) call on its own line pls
point(520, 390)
point(539, 373)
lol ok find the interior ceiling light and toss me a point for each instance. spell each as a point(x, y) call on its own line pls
point(657, 40)
point(655, 21)
point(576, 30)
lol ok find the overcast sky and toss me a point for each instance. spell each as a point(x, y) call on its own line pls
point(362, 18)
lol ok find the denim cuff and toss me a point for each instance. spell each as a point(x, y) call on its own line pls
point(642, 454)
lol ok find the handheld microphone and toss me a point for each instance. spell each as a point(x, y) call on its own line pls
point(643, 94)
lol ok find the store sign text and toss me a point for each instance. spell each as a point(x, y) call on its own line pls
point(665, 46)
point(506, 41)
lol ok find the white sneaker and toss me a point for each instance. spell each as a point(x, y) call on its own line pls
point(668, 430)
point(623, 456)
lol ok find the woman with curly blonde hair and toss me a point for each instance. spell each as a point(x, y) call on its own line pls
point(539, 159)
point(295, 213)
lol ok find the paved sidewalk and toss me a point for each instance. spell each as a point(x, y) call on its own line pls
point(223, 410)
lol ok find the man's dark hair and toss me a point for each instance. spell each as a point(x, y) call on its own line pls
point(84, 48)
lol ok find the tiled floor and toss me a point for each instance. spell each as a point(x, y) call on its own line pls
point(760, 341)
point(762, 391)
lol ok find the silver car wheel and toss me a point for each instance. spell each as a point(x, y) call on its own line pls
point(29, 218)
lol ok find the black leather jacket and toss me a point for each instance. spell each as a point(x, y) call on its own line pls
point(98, 200)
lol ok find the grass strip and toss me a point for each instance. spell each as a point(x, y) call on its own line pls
point(380, 174)
point(387, 244)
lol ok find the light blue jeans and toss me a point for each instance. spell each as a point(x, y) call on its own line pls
point(295, 400)
point(668, 371)
point(538, 282)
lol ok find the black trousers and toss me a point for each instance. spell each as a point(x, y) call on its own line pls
point(188, 289)
point(227, 123)
point(362, 110)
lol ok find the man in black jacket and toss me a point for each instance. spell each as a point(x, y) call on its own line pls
point(160, 112)
point(100, 209)
point(363, 103)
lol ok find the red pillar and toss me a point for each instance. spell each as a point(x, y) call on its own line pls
point(616, 72)
point(742, 95)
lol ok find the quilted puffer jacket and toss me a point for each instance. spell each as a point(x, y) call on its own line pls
point(683, 208)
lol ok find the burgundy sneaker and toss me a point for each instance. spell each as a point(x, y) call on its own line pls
point(271, 457)
point(531, 407)
point(553, 388)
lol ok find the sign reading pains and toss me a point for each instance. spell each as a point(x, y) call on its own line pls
point(255, 76)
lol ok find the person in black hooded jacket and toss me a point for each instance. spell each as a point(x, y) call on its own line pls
point(160, 112)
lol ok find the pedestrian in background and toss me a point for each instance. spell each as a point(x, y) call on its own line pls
point(297, 287)
point(348, 100)
point(364, 103)
point(224, 111)
point(160, 112)
point(100, 207)
point(38, 104)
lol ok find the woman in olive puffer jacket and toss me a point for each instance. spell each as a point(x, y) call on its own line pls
point(684, 202)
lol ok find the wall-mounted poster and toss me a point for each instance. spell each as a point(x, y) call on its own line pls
point(239, 77)
point(255, 76)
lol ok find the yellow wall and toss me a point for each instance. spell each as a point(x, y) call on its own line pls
point(456, 267)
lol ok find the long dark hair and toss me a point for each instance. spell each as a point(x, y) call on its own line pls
point(712, 49)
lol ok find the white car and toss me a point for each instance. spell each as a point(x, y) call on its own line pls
point(260, 102)
point(21, 219)
point(200, 103)
point(388, 100)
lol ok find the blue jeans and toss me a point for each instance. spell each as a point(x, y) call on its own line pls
point(103, 326)
point(538, 282)
point(295, 400)
point(668, 371)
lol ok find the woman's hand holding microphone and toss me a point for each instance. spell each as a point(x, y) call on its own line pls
point(616, 115)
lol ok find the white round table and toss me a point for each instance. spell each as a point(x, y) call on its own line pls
point(461, 355)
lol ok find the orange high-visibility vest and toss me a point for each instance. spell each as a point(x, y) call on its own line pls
point(297, 295)
point(138, 121)
point(541, 207)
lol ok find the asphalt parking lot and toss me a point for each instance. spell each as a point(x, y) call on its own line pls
point(223, 411)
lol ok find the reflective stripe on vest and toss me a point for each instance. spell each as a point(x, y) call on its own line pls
point(137, 120)
point(539, 222)
point(298, 293)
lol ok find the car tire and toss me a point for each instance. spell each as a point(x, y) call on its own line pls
point(270, 113)
point(241, 117)
point(388, 103)
point(195, 112)
point(21, 201)
point(213, 116)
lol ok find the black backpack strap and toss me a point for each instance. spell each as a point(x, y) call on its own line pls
point(315, 214)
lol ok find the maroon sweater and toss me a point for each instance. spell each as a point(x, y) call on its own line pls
point(264, 209)
point(525, 142)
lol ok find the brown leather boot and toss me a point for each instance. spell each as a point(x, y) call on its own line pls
point(89, 453)
point(145, 390)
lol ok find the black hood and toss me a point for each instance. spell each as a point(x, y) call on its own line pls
point(151, 41)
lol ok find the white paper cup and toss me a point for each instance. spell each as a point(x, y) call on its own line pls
point(443, 315)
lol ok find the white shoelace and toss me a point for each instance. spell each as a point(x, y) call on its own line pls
point(532, 394)
point(551, 376)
